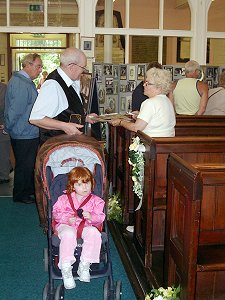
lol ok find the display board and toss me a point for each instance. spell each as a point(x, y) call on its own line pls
point(116, 83)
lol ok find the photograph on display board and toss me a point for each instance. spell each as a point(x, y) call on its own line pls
point(97, 70)
point(123, 72)
point(141, 72)
point(123, 87)
point(115, 71)
point(108, 70)
point(123, 104)
point(215, 77)
point(101, 94)
point(109, 85)
point(128, 103)
point(169, 68)
point(210, 83)
point(101, 110)
point(111, 106)
point(178, 73)
point(131, 72)
point(131, 85)
point(209, 72)
point(86, 89)
point(115, 87)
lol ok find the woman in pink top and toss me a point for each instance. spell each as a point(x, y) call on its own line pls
point(72, 221)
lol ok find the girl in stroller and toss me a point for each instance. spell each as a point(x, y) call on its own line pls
point(71, 222)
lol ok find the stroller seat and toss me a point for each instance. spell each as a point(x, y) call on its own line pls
point(56, 167)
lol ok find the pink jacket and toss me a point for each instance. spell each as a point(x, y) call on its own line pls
point(62, 210)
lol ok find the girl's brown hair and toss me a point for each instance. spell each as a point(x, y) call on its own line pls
point(79, 173)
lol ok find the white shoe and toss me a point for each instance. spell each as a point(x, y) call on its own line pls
point(67, 276)
point(83, 271)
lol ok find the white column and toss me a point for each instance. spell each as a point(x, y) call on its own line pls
point(199, 13)
point(108, 38)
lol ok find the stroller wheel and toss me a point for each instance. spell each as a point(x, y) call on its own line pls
point(59, 293)
point(45, 293)
point(45, 259)
point(118, 290)
point(106, 290)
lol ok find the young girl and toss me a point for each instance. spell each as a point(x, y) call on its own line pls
point(70, 219)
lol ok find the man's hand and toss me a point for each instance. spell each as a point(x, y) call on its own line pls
point(72, 128)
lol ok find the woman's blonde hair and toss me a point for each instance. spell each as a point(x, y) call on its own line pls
point(79, 173)
point(162, 79)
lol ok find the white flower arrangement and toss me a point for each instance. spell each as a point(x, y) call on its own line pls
point(171, 293)
point(136, 160)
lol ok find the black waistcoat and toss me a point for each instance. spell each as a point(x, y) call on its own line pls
point(74, 107)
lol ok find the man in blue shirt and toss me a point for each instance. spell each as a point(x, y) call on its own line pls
point(20, 96)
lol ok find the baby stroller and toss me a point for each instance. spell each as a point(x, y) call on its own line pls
point(58, 159)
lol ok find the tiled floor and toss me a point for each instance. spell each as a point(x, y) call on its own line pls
point(7, 188)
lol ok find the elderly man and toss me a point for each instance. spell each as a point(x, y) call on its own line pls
point(190, 94)
point(20, 96)
point(59, 98)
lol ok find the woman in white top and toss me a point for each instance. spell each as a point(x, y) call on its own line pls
point(156, 117)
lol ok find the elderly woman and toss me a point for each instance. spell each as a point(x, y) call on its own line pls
point(156, 117)
point(216, 100)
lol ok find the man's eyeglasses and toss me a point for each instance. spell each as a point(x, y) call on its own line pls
point(37, 67)
point(85, 70)
point(148, 83)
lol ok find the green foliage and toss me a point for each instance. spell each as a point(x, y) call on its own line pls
point(114, 208)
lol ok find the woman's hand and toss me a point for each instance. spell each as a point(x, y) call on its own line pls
point(134, 114)
point(115, 122)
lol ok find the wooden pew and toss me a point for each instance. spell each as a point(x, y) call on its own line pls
point(120, 139)
point(200, 125)
point(150, 219)
point(119, 169)
point(195, 229)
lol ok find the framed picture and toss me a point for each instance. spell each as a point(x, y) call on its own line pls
point(123, 72)
point(210, 83)
point(131, 73)
point(87, 45)
point(86, 89)
point(98, 72)
point(122, 104)
point(108, 70)
point(141, 72)
point(183, 49)
point(101, 110)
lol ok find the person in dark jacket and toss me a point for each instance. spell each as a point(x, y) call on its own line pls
point(20, 96)
point(5, 164)
point(138, 94)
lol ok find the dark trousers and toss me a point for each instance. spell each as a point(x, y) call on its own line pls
point(25, 152)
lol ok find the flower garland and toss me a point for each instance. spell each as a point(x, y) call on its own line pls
point(171, 293)
point(136, 160)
